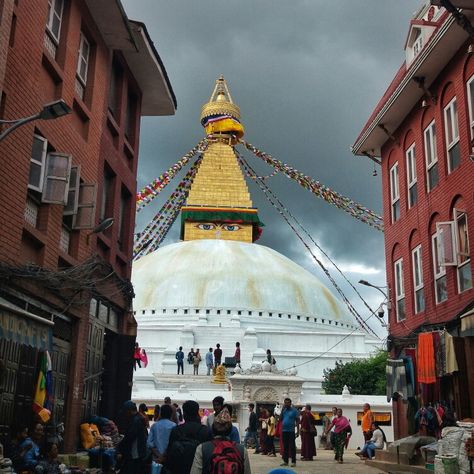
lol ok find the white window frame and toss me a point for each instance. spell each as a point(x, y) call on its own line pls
point(411, 173)
point(418, 44)
point(470, 95)
point(51, 14)
point(40, 163)
point(418, 283)
point(430, 145)
point(399, 287)
point(49, 179)
point(394, 190)
point(72, 201)
point(83, 57)
point(439, 270)
point(451, 110)
point(446, 248)
point(463, 258)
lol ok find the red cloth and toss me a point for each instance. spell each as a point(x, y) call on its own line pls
point(308, 448)
point(237, 354)
point(426, 358)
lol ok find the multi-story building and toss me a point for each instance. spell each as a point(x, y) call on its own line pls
point(422, 134)
point(67, 201)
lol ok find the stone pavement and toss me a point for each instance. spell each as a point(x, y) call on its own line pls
point(323, 463)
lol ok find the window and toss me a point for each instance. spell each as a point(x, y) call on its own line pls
point(441, 292)
point(462, 251)
point(73, 194)
point(470, 95)
point(452, 135)
point(431, 154)
point(419, 292)
point(395, 192)
point(411, 176)
point(38, 158)
point(54, 18)
point(106, 208)
point(123, 221)
point(82, 65)
point(56, 178)
point(399, 290)
point(85, 217)
point(115, 89)
point(418, 44)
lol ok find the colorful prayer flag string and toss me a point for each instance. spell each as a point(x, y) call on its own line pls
point(332, 197)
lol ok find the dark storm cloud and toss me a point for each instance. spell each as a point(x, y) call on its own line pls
point(306, 75)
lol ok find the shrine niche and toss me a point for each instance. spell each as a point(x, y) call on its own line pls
point(266, 394)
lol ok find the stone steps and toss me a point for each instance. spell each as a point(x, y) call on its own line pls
point(394, 468)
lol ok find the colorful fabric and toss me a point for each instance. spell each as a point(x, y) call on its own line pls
point(396, 379)
point(204, 215)
point(225, 125)
point(451, 361)
point(367, 420)
point(339, 444)
point(426, 358)
point(439, 354)
point(44, 385)
point(340, 423)
point(410, 374)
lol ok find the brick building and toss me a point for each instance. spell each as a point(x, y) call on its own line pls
point(64, 279)
point(423, 131)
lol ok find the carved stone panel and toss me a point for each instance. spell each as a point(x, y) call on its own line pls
point(266, 394)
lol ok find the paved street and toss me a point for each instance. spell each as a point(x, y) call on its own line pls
point(324, 463)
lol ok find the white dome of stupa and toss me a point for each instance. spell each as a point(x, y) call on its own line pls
point(231, 274)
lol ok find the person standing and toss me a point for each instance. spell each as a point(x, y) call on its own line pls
point(180, 360)
point(366, 424)
point(289, 421)
point(217, 355)
point(331, 428)
point(237, 354)
point(137, 357)
point(190, 357)
point(184, 440)
point(271, 430)
point(308, 433)
point(196, 361)
point(132, 448)
point(263, 420)
point(325, 422)
point(143, 412)
point(209, 361)
point(156, 413)
point(342, 431)
point(217, 405)
point(251, 431)
point(160, 434)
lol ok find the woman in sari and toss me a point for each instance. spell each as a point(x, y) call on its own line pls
point(342, 433)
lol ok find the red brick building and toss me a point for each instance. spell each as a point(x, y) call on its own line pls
point(64, 280)
point(422, 134)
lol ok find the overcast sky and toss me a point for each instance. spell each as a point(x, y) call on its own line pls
point(306, 75)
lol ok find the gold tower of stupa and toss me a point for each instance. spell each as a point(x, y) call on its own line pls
point(219, 204)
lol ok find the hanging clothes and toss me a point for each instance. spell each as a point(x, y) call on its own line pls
point(396, 378)
point(410, 373)
point(451, 361)
point(440, 361)
point(412, 354)
point(426, 358)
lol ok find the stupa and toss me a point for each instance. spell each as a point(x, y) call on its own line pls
point(217, 285)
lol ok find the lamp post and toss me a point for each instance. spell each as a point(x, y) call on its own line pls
point(366, 283)
point(386, 302)
point(50, 111)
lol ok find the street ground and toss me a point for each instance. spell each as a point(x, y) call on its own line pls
point(323, 463)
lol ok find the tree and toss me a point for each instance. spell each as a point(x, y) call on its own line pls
point(363, 377)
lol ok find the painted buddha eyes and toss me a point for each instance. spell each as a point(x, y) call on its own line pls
point(227, 227)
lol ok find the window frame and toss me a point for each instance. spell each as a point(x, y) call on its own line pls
point(452, 110)
point(399, 288)
point(51, 178)
point(394, 191)
point(41, 163)
point(417, 267)
point(83, 40)
point(92, 204)
point(410, 155)
point(439, 271)
point(470, 102)
point(49, 20)
point(74, 191)
point(458, 214)
point(429, 135)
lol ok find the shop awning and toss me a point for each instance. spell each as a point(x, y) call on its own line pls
point(19, 325)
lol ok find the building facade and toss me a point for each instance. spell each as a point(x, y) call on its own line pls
point(423, 131)
point(67, 202)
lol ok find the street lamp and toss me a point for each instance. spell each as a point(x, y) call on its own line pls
point(50, 111)
point(380, 312)
point(366, 283)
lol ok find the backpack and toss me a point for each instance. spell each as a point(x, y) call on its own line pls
point(226, 457)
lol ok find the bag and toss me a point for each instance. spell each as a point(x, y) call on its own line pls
point(226, 458)
point(181, 452)
point(190, 358)
point(274, 361)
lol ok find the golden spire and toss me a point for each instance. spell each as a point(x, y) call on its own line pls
point(219, 204)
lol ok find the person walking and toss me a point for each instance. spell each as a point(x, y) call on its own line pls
point(325, 422)
point(217, 404)
point(160, 434)
point(237, 354)
point(331, 428)
point(289, 421)
point(342, 431)
point(308, 433)
point(271, 430)
point(180, 360)
point(196, 361)
point(217, 356)
point(251, 430)
point(366, 424)
point(184, 440)
point(209, 361)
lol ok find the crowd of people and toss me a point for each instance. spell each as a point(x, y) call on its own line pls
point(212, 359)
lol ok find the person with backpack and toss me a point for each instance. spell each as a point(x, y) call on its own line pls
point(190, 357)
point(184, 440)
point(221, 456)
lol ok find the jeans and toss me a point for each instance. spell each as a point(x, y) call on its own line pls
point(369, 449)
point(209, 368)
point(196, 370)
point(181, 366)
point(289, 446)
point(251, 435)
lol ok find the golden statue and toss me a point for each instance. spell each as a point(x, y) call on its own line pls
point(219, 377)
